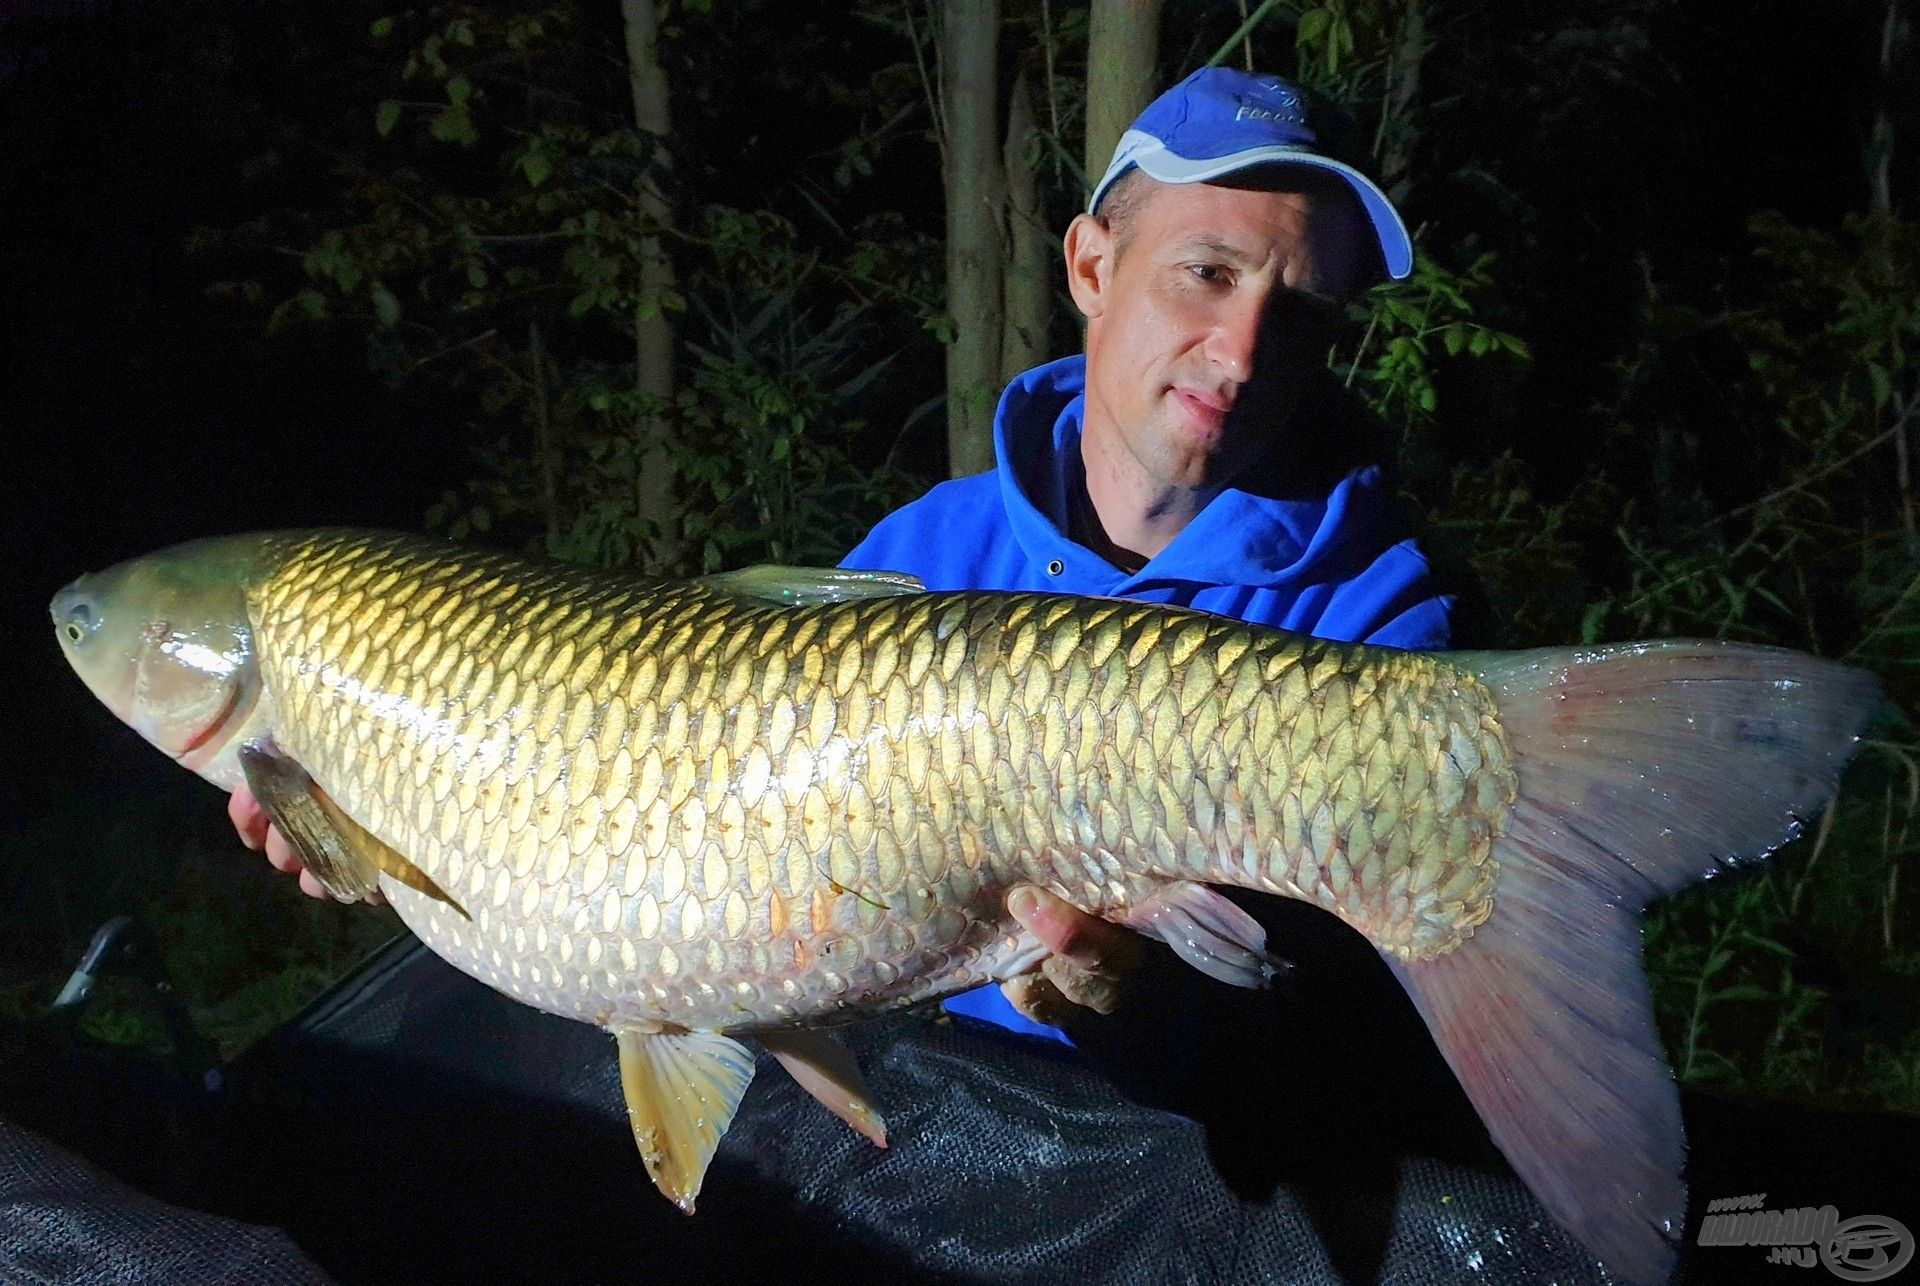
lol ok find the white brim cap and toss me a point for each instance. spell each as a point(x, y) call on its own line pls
point(1219, 121)
point(1156, 161)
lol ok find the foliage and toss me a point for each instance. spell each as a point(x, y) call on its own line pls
point(764, 459)
point(497, 257)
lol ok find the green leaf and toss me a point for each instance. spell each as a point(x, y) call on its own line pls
point(459, 90)
point(386, 307)
point(1313, 25)
point(381, 28)
point(1882, 384)
point(1766, 944)
point(1745, 991)
point(452, 125)
point(1593, 621)
point(537, 168)
point(386, 117)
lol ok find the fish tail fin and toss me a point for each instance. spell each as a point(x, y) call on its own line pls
point(1641, 769)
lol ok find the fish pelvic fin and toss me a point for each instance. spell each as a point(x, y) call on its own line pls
point(346, 858)
point(1208, 932)
point(1641, 769)
point(682, 1090)
point(825, 1068)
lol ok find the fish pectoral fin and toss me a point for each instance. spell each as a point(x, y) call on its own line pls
point(382, 856)
point(343, 855)
point(825, 1069)
point(1208, 932)
point(682, 1090)
point(805, 586)
point(291, 801)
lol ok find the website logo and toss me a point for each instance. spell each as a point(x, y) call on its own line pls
point(1865, 1248)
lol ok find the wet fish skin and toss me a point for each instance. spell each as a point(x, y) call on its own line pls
point(669, 804)
point(686, 813)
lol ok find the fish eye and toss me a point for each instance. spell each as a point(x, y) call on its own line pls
point(79, 622)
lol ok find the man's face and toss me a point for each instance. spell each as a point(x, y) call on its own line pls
point(1211, 298)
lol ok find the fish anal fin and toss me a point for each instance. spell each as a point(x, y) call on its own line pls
point(806, 586)
point(682, 1091)
point(825, 1069)
point(1207, 931)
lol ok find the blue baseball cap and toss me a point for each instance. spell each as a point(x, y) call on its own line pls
point(1219, 121)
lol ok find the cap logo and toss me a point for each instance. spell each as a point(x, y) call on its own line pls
point(1288, 110)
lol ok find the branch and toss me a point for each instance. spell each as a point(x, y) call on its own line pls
point(1801, 484)
point(926, 83)
point(1245, 32)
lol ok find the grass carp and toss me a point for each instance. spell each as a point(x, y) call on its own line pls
point(760, 804)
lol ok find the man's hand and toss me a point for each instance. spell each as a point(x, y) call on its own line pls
point(1090, 957)
point(261, 835)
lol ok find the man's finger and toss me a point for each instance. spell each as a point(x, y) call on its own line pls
point(1099, 992)
point(280, 854)
point(1064, 929)
point(248, 818)
point(310, 886)
point(1036, 998)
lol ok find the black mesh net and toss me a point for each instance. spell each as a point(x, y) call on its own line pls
point(415, 1126)
point(62, 1221)
point(464, 1135)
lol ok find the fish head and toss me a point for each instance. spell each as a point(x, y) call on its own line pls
point(164, 641)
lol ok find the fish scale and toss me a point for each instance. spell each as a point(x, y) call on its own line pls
point(754, 811)
point(778, 799)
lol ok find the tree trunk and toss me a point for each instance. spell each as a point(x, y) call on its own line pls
point(1028, 277)
point(653, 353)
point(1880, 142)
point(1393, 149)
point(970, 42)
point(1123, 55)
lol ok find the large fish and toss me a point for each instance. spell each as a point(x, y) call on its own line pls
point(764, 803)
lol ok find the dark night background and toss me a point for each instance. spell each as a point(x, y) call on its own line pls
point(1611, 155)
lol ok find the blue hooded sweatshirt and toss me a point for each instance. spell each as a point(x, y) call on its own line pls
point(1327, 562)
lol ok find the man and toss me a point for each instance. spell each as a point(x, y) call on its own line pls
point(1195, 454)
